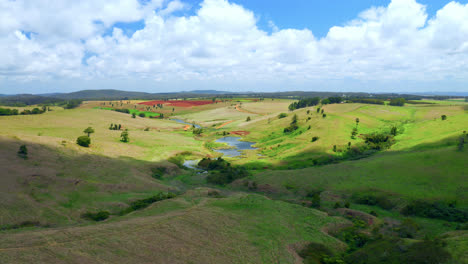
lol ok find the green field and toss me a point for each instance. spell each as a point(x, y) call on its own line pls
point(293, 190)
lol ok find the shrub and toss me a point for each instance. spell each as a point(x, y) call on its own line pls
point(99, 216)
point(315, 138)
point(83, 141)
point(282, 115)
point(197, 131)
point(142, 115)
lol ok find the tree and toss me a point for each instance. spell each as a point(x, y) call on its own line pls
point(141, 115)
point(248, 119)
point(23, 152)
point(318, 109)
point(133, 115)
point(323, 110)
point(83, 141)
point(88, 131)
point(354, 133)
point(397, 101)
point(357, 121)
point(394, 130)
point(111, 126)
point(443, 117)
point(120, 126)
point(124, 137)
point(334, 148)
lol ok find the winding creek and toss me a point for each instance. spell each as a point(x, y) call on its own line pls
point(235, 150)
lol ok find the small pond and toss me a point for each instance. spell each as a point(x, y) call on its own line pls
point(237, 145)
point(183, 122)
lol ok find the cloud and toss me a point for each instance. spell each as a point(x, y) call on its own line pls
point(222, 42)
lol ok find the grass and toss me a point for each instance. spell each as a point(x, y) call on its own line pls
point(228, 230)
point(46, 194)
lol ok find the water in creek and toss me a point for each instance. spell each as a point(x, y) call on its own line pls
point(237, 145)
point(183, 122)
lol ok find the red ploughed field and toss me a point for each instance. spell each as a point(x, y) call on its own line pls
point(178, 103)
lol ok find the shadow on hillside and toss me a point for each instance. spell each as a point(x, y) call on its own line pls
point(56, 185)
point(313, 158)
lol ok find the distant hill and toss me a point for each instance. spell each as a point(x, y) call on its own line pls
point(207, 92)
point(27, 99)
point(108, 94)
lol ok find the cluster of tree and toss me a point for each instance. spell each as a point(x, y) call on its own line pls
point(115, 127)
point(221, 171)
point(306, 102)
point(293, 126)
point(439, 210)
point(70, 104)
point(85, 141)
point(332, 100)
point(367, 101)
point(379, 141)
point(124, 137)
point(197, 130)
point(397, 101)
point(35, 111)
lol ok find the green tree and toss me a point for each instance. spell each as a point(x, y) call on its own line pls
point(88, 131)
point(248, 119)
point(357, 121)
point(23, 152)
point(133, 115)
point(443, 117)
point(141, 115)
point(124, 137)
point(394, 130)
point(83, 141)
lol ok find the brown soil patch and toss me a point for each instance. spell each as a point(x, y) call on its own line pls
point(179, 103)
point(240, 133)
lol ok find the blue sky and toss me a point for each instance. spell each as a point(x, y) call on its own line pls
point(235, 45)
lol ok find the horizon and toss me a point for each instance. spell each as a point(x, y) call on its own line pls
point(398, 46)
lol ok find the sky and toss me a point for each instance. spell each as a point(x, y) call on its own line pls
point(236, 45)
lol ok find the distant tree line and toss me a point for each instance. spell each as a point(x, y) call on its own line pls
point(9, 112)
point(304, 103)
point(367, 101)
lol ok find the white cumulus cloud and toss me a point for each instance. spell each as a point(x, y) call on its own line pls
point(221, 41)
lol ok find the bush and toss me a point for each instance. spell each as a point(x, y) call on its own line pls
point(142, 115)
point(315, 138)
point(99, 216)
point(83, 141)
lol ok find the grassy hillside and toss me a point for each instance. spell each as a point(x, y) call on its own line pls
point(277, 199)
point(190, 229)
